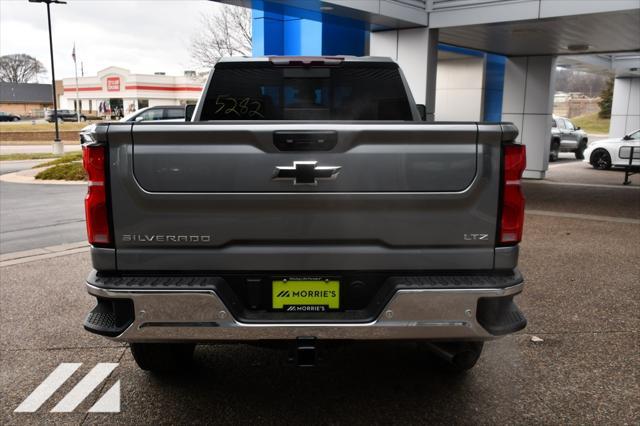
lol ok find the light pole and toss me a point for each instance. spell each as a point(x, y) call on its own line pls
point(58, 147)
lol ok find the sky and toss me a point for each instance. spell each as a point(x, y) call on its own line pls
point(144, 36)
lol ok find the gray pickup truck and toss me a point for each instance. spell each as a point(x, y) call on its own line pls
point(306, 202)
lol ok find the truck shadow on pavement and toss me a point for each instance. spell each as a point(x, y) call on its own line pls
point(359, 382)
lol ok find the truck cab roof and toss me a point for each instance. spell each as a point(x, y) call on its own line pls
point(306, 59)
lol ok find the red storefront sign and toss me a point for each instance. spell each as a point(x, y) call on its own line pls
point(113, 84)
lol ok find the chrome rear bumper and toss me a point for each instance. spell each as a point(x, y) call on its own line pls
point(201, 316)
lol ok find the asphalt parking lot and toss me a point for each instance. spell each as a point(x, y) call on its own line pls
point(33, 216)
point(581, 260)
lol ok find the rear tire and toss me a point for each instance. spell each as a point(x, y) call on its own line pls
point(579, 153)
point(162, 357)
point(16, 119)
point(600, 159)
point(554, 152)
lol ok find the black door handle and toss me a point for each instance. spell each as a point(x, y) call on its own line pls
point(322, 140)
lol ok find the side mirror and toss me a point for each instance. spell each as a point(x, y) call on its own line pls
point(139, 118)
point(626, 138)
point(189, 109)
point(423, 111)
point(578, 128)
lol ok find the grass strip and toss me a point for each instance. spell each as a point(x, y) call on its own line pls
point(66, 171)
point(66, 158)
point(591, 123)
point(27, 156)
point(40, 127)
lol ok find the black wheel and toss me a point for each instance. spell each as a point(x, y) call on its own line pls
point(162, 357)
point(554, 152)
point(579, 153)
point(16, 119)
point(83, 118)
point(600, 159)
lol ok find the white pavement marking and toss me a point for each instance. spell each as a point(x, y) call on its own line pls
point(109, 402)
point(47, 388)
point(84, 387)
point(584, 216)
point(590, 185)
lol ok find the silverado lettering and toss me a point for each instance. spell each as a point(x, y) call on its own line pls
point(167, 238)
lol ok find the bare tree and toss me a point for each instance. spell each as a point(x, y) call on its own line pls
point(20, 68)
point(225, 32)
point(590, 84)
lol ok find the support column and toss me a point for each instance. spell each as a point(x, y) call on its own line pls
point(625, 108)
point(529, 86)
point(416, 51)
point(279, 29)
point(267, 32)
point(493, 87)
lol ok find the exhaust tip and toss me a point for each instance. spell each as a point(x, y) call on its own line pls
point(459, 356)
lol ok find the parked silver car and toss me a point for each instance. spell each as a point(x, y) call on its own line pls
point(154, 113)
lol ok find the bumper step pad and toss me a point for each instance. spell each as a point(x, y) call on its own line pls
point(110, 317)
point(168, 282)
point(152, 282)
point(500, 315)
point(458, 281)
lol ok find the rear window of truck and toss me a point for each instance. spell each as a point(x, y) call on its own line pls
point(264, 91)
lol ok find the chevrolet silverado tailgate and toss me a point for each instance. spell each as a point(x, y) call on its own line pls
point(304, 196)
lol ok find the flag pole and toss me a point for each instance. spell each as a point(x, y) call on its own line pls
point(75, 65)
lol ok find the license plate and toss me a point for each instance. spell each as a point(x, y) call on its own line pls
point(305, 295)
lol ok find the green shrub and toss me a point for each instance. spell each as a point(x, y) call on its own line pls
point(66, 171)
point(606, 100)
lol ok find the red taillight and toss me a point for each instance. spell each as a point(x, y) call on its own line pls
point(512, 220)
point(95, 203)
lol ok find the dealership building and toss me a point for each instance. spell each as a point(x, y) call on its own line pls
point(477, 60)
point(117, 88)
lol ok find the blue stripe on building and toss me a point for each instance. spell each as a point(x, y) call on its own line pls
point(286, 30)
point(493, 86)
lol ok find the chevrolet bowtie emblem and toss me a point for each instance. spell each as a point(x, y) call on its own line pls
point(306, 172)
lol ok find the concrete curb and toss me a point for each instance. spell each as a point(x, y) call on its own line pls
point(578, 216)
point(590, 185)
point(28, 177)
point(42, 253)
